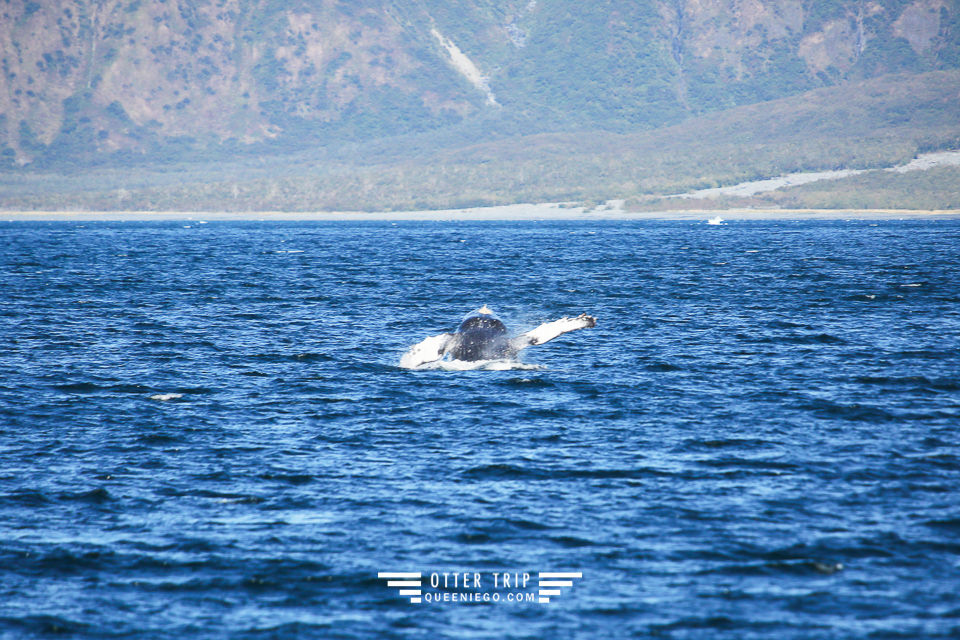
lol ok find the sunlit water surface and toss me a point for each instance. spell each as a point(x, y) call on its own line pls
point(205, 434)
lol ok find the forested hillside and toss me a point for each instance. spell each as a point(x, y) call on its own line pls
point(869, 124)
point(107, 81)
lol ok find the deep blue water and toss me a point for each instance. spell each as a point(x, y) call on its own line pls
point(758, 440)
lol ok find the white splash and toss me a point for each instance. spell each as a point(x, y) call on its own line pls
point(478, 365)
point(717, 220)
point(465, 66)
point(163, 397)
point(429, 350)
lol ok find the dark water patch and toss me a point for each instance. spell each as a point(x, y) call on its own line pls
point(812, 568)
point(201, 391)
point(96, 496)
point(571, 541)
point(292, 630)
point(727, 443)
point(545, 413)
point(662, 367)
point(913, 382)
point(503, 471)
point(61, 561)
point(527, 525)
point(789, 324)
point(79, 387)
point(224, 496)
point(288, 357)
point(159, 438)
point(729, 462)
point(948, 524)
point(528, 383)
point(946, 461)
point(856, 412)
point(25, 498)
point(793, 338)
point(46, 625)
point(288, 478)
point(178, 347)
point(925, 354)
point(714, 623)
point(512, 472)
point(473, 538)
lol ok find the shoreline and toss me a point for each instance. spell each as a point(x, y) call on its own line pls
point(518, 212)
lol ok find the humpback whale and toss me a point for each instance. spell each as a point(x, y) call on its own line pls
point(481, 335)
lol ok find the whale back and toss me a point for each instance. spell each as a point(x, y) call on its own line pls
point(482, 322)
point(480, 336)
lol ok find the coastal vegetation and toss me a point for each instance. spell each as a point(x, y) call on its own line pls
point(869, 124)
point(937, 188)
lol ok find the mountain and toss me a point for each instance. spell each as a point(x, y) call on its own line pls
point(93, 81)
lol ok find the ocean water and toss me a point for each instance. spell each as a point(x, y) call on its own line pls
point(205, 433)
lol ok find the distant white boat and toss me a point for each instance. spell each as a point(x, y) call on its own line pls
point(716, 220)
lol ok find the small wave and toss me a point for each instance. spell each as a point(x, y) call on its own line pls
point(572, 541)
point(731, 443)
point(91, 387)
point(473, 538)
point(819, 338)
point(662, 367)
point(528, 525)
point(855, 412)
point(45, 624)
point(25, 498)
point(514, 472)
point(950, 524)
point(911, 382)
point(788, 324)
point(774, 466)
point(478, 365)
point(796, 338)
point(528, 382)
point(78, 387)
point(158, 438)
point(289, 478)
point(93, 496)
point(798, 567)
point(290, 357)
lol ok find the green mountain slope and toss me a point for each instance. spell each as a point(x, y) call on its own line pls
point(874, 123)
point(89, 81)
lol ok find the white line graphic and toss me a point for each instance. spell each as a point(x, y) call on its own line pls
point(547, 579)
point(407, 583)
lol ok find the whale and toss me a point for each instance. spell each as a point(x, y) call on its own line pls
point(482, 335)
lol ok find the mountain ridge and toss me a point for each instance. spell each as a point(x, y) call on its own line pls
point(87, 80)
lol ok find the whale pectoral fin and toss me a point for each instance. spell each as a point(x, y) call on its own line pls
point(429, 350)
point(550, 330)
